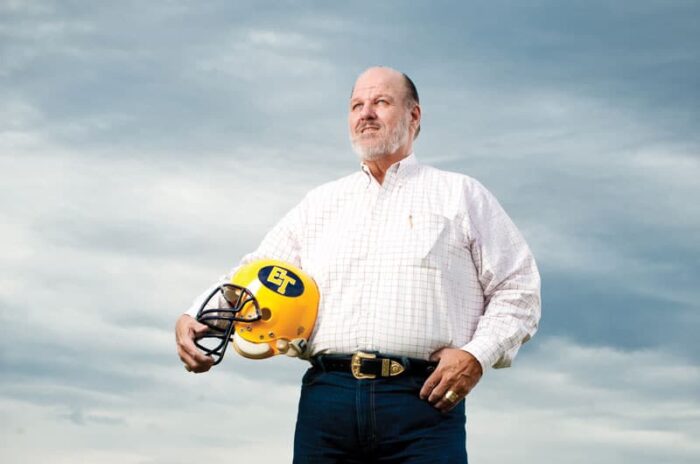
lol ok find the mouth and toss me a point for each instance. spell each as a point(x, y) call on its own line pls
point(366, 129)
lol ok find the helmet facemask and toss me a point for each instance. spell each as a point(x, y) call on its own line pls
point(242, 306)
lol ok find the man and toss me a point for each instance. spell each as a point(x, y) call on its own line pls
point(414, 265)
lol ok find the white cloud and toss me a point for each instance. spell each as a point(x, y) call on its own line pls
point(259, 54)
point(566, 402)
point(282, 40)
point(105, 244)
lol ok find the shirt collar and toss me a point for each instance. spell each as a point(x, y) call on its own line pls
point(399, 168)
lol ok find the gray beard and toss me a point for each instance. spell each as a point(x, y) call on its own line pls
point(384, 146)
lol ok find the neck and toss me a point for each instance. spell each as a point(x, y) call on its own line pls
point(379, 166)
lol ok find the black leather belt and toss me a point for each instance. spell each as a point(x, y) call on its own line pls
point(371, 365)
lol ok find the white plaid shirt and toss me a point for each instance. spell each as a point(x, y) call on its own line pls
point(428, 259)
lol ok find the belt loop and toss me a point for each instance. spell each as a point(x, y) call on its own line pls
point(406, 361)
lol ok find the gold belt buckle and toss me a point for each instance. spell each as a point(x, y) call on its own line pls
point(356, 364)
point(389, 368)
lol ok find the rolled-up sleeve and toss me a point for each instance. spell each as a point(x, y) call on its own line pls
point(509, 279)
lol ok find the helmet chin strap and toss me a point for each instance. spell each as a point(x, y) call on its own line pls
point(294, 349)
point(297, 348)
point(251, 350)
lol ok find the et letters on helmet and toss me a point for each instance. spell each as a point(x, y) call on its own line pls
point(281, 280)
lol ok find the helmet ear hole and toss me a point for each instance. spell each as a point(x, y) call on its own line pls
point(265, 314)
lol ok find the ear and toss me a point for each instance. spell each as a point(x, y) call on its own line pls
point(415, 114)
point(415, 120)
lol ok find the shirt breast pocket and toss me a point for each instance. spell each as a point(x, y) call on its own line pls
point(419, 239)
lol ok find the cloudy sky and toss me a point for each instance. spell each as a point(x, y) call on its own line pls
point(145, 146)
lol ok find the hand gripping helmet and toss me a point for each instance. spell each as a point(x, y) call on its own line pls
point(269, 308)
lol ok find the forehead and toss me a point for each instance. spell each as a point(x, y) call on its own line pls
point(378, 82)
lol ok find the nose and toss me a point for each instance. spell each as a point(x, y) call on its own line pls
point(367, 112)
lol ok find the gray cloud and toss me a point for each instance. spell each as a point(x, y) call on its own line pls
point(138, 164)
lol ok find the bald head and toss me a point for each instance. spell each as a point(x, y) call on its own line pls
point(400, 79)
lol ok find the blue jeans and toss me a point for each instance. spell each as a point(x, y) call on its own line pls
point(345, 420)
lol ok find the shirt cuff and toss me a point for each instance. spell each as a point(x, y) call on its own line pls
point(484, 350)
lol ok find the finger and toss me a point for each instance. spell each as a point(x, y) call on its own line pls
point(201, 367)
point(430, 383)
point(185, 343)
point(187, 336)
point(449, 382)
point(440, 389)
point(195, 365)
point(200, 359)
point(196, 353)
point(191, 355)
point(444, 404)
point(187, 360)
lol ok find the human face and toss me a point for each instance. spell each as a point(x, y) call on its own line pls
point(379, 120)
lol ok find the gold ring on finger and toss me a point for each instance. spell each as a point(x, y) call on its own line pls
point(451, 396)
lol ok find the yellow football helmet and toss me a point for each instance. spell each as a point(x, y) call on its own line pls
point(269, 308)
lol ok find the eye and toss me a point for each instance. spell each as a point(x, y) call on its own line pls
point(356, 106)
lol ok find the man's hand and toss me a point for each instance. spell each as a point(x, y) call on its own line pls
point(187, 330)
point(457, 371)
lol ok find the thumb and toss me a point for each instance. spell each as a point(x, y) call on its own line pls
point(198, 328)
point(436, 356)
